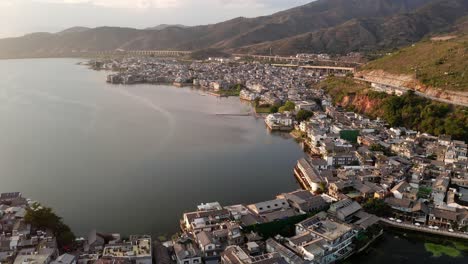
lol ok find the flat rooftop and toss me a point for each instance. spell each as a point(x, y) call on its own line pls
point(138, 248)
point(330, 230)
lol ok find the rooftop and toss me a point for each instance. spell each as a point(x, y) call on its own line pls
point(137, 248)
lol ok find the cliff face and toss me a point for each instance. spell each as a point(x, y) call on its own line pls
point(363, 104)
point(408, 110)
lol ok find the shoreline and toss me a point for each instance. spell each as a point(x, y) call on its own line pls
point(291, 132)
point(207, 91)
point(295, 134)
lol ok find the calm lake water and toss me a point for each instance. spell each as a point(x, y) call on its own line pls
point(401, 247)
point(132, 159)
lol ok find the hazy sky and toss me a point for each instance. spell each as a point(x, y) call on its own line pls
point(18, 17)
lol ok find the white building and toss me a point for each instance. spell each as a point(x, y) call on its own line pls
point(279, 121)
point(322, 240)
point(268, 206)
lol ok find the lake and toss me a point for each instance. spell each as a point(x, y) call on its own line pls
point(132, 159)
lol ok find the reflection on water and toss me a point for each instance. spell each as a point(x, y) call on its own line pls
point(130, 159)
point(403, 247)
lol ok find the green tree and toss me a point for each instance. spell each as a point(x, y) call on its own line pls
point(377, 207)
point(274, 109)
point(257, 102)
point(303, 115)
point(288, 106)
point(44, 218)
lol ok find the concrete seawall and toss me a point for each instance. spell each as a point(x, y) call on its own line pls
point(423, 229)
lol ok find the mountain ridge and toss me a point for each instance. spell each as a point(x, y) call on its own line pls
point(332, 26)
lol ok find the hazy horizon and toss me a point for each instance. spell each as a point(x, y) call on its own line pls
point(29, 16)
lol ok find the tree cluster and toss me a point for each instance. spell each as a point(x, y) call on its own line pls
point(45, 218)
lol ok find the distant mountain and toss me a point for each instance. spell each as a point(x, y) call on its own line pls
point(164, 26)
point(74, 30)
point(335, 26)
point(368, 34)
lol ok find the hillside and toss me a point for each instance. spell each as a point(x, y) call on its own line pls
point(409, 110)
point(335, 26)
point(372, 33)
point(164, 26)
point(440, 62)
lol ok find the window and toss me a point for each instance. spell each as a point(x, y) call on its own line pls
point(276, 205)
point(268, 206)
point(186, 262)
point(261, 208)
point(195, 261)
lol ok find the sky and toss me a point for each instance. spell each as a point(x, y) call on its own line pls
point(19, 17)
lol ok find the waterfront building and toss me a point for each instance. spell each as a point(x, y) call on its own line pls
point(279, 121)
point(287, 254)
point(204, 220)
point(408, 210)
point(273, 210)
point(322, 240)
point(187, 252)
point(304, 201)
point(236, 255)
point(138, 249)
point(448, 217)
point(308, 176)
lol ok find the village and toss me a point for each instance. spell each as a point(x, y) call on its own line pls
point(358, 177)
point(360, 174)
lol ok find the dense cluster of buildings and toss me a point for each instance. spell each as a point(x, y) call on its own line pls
point(422, 178)
point(273, 85)
point(352, 162)
point(214, 75)
point(222, 234)
point(23, 243)
point(20, 243)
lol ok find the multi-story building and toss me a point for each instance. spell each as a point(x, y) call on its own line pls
point(206, 220)
point(308, 176)
point(322, 240)
point(138, 249)
point(187, 252)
